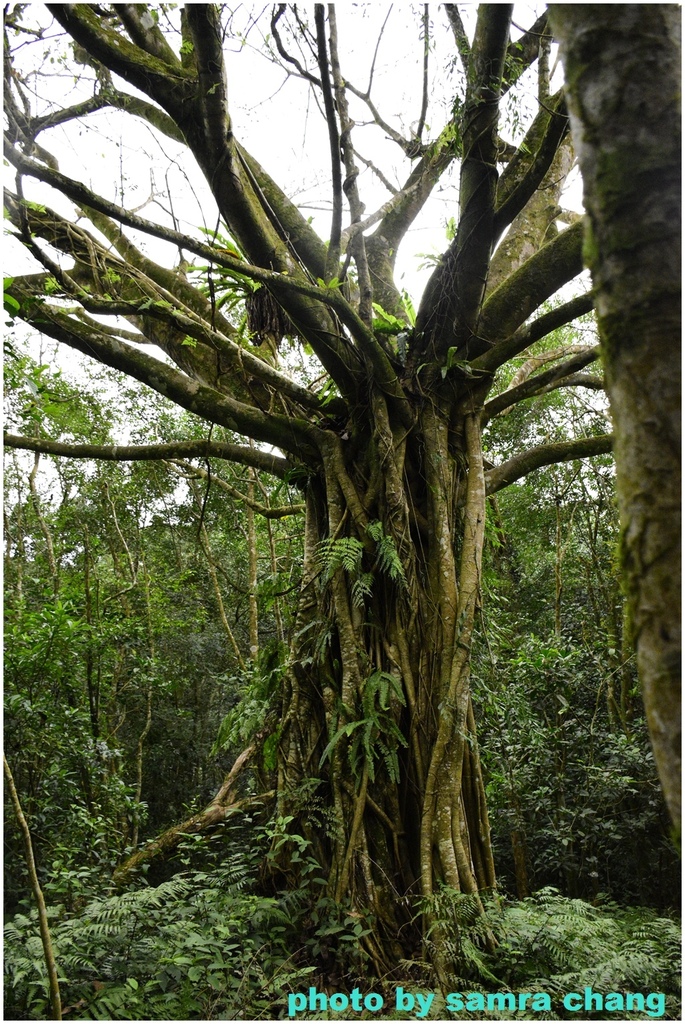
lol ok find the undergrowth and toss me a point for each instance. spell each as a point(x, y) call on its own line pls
point(206, 945)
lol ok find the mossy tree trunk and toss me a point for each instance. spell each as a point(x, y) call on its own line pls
point(378, 756)
point(623, 74)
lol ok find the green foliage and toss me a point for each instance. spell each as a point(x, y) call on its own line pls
point(458, 934)
point(386, 323)
point(564, 944)
point(583, 798)
point(387, 558)
point(345, 553)
point(74, 798)
point(340, 552)
point(257, 691)
point(409, 307)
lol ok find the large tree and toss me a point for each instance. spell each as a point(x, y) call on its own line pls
point(377, 732)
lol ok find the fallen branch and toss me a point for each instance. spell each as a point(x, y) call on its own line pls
point(222, 805)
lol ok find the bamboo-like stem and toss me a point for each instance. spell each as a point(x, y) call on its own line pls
point(55, 998)
point(44, 529)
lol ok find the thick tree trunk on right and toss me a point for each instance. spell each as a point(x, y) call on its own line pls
point(622, 66)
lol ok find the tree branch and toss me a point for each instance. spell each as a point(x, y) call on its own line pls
point(145, 33)
point(534, 385)
point(240, 454)
point(530, 333)
point(523, 52)
point(425, 21)
point(333, 256)
point(557, 263)
point(211, 108)
point(459, 32)
point(171, 86)
point(524, 173)
point(287, 57)
point(545, 455)
point(337, 356)
point(220, 807)
point(146, 306)
point(291, 434)
point(198, 473)
point(451, 303)
point(358, 246)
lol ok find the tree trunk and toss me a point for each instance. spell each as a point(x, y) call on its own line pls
point(623, 84)
point(378, 696)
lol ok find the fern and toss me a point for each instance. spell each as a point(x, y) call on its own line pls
point(375, 736)
point(347, 553)
point(387, 558)
point(553, 944)
point(340, 553)
point(199, 946)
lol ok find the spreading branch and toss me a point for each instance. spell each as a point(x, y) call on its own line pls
point(545, 455)
point(539, 383)
point(240, 454)
point(532, 332)
point(524, 291)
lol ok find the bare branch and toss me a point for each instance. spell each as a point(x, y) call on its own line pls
point(545, 455)
point(425, 21)
point(377, 171)
point(408, 146)
point(287, 57)
point(199, 473)
point(452, 301)
point(581, 380)
point(535, 385)
point(212, 101)
point(333, 255)
point(530, 333)
point(239, 454)
point(351, 171)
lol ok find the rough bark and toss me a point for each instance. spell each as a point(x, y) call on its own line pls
point(622, 66)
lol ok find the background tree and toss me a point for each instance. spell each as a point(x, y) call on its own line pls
point(383, 430)
point(628, 141)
